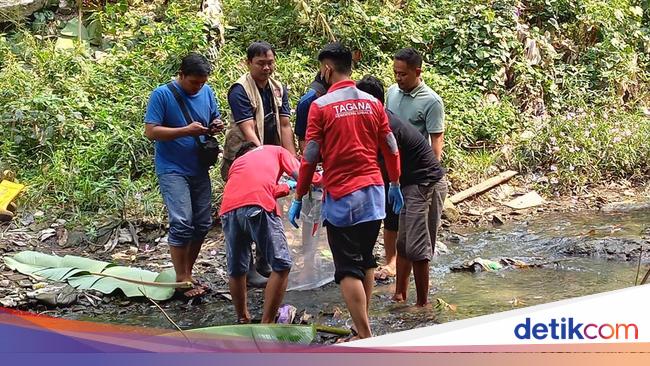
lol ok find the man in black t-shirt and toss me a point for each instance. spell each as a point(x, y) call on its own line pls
point(420, 172)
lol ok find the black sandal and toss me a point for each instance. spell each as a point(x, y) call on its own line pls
point(182, 292)
point(353, 336)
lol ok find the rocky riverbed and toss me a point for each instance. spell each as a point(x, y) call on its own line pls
point(605, 225)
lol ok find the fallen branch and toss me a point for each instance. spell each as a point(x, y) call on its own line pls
point(483, 186)
point(331, 330)
point(167, 316)
point(645, 278)
point(186, 284)
point(638, 266)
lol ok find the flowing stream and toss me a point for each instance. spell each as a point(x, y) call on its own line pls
point(597, 252)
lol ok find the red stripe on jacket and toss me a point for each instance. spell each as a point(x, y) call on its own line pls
point(350, 127)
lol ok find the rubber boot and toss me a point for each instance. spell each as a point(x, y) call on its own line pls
point(254, 279)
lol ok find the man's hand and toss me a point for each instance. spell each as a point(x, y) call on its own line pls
point(195, 129)
point(216, 126)
point(395, 197)
point(294, 212)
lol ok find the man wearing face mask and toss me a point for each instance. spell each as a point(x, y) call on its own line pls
point(260, 111)
point(184, 182)
point(317, 88)
point(346, 130)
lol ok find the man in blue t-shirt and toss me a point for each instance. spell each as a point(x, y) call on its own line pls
point(317, 88)
point(184, 181)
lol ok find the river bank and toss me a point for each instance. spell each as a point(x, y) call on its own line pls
point(597, 235)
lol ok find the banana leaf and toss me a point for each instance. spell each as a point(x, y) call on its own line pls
point(89, 274)
point(289, 333)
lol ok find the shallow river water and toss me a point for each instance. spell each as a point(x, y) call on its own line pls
point(472, 294)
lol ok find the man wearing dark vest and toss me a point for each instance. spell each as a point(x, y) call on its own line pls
point(259, 105)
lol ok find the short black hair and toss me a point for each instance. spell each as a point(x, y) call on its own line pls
point(258, 48)
point(410, 56)
point(244, 148)
point(340, 56)
point(372, 86)
point(195, 64)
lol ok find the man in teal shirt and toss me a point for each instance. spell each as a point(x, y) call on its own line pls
point(413, 101)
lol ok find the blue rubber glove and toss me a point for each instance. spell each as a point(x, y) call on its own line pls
point(395, 198)
point(294, 212)
point(291, 183)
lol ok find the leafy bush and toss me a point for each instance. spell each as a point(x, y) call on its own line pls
point(580, 148)
point(525, 85)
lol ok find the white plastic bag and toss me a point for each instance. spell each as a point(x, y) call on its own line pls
point(313, 265)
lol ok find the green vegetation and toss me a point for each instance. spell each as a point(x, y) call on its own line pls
point(557, 88)
point(89, 274)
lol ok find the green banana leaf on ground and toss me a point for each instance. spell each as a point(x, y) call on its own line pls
point(89, 274)
point(288, 333)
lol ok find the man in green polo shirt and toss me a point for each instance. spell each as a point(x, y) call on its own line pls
point(413, 101)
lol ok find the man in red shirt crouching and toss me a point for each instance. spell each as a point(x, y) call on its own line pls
point(346, 129)
point(249, 213)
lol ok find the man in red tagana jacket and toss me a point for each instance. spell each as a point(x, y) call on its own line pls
point(249, 213)
point(346, 128)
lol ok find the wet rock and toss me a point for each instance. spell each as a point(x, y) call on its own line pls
point(450, 212)
point(55, 295)
point(27, 219)
point(4, 283)
point(76, 238)
point(19, 9)
point(25, 283)
point(441, 248)
point(626, 206)
point(610, 248)
point(8, 302)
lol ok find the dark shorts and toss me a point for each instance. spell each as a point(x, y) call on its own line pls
point(352, 248)
point(391, 222)
point(188, 202)
point(419, 220)
point(248, 224)
point(413, 240)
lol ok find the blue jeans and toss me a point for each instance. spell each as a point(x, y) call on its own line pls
point(248, 224)
point(188, 206)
